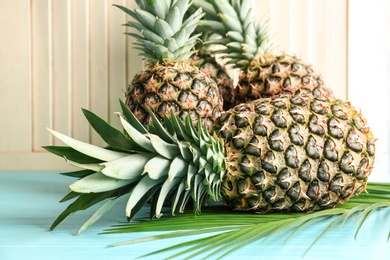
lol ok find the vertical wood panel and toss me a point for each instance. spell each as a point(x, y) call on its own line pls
point(337, 63)
point(42, 72)
point(98, 62)
point(116, 59)
point(79, 67)
point(299, 28)
point(61, 67)
point(280, 24)
point(15, 84)
point(368, 85)
point(80, 58)
point(134, 63)
point(318, 39)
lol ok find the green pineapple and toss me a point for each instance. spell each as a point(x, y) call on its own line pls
point(170, 82)
point(263, 72)
point(290, 152)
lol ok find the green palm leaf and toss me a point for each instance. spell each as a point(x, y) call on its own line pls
point(228, 231)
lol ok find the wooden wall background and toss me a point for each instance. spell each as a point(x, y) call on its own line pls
point(57, 56)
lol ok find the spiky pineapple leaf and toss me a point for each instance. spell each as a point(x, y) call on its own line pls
point(71, 154)
point(238, 229)
point(103, 154)
point(130, 117)
point(85, 201)
point(112, 136)
point(78, 174)
point(142, 201)
point(157, 128)
point(70, 195)
point(98, 214)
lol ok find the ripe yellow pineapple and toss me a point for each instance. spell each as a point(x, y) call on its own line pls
point(300, 149)
point(295, 152)
point(263, 72)
point(169, 83)
point(290, 152)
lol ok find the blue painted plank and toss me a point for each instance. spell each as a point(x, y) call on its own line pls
point(29, 204)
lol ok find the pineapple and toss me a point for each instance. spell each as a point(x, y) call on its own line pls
point(299, 152)
point(169, 83)
point(289, 152)
point(297, 148)
point(207, 63)
point(263, 71)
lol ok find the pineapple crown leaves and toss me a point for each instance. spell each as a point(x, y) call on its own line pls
point(171, 158)
point(165, 34)
point(244, 39)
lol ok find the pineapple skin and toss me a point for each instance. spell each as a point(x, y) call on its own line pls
point(300, 152)
point(177, 87)
point(274, 73)
point(208, 64)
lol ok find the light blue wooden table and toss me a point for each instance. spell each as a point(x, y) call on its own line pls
point(29, 204)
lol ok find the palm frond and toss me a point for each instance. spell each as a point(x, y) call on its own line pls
point(227, 231)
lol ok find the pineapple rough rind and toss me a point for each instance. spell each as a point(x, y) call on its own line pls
point(178, 87)
point(298, 152)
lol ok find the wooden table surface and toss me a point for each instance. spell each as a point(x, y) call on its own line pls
point(29, 204)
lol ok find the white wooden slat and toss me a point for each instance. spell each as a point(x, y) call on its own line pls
point(41, 72)
point(299, 28)
point(134, 62)
point(368, 70)
point(79, 48)
point(337, 50)
point(318, 32)
point(61, 55)
point(61, 67)
point(98, 63)
point(33, 161)
point(116, 59)
point(280, 24)
point(15, 83)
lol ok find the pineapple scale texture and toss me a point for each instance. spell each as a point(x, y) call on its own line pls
point(273, 73)
point(177, 87)
point(300, 152)
point(208, 64)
